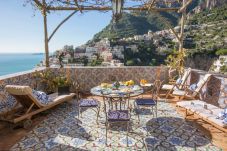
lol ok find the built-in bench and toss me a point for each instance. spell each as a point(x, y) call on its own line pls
point(206, 111)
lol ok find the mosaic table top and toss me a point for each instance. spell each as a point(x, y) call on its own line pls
point(111, 91)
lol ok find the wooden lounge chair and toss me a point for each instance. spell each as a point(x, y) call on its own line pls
point(31, 105)
point(189, 92)
point(179, 84)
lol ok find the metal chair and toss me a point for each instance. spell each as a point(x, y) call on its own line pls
point(86, 103)
point(149, 102)
point(115, 114)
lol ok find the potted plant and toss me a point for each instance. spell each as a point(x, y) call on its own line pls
point(63, 85)
point(44, 80)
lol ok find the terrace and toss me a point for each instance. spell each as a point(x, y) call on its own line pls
point(59, 127)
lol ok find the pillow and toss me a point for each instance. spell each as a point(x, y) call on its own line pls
point(179, 80)
point(42, 97)
point(223, 116)
point(193, 87)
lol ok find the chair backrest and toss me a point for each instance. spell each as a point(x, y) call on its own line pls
point(156, 89)
point(185, 77)
point(23, 94)
point(201, 83)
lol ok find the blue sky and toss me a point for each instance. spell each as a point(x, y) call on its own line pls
point(21, 31)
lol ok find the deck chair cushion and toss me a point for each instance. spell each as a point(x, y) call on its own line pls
point(179, 81)
point(193, 87)
point(42, 97)
point(167, 87)
point(2, 107)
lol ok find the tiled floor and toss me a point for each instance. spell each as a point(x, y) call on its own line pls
point(62, 130)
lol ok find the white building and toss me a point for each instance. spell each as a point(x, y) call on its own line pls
point(79, 55)
point(91, 50)
point(118, 51)
point(138, 37)
point(134, 48)
point(107, 56)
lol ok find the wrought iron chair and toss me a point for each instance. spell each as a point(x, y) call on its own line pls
point(86, 103)
point(149, 102)
point(115, 114)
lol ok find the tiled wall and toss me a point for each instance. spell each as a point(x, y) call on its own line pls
point(88, 77)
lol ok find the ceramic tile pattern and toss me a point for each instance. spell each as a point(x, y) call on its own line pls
point(62, 130)
point(88, 77)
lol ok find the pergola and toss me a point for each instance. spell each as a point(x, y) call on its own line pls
point(117, 6)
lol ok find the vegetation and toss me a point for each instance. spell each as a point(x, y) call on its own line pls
point(215, 14)
point(45, 80)
point(135, 24)
point(223, 69)
point(145, 56)
point(176, 61)
point(221, 52)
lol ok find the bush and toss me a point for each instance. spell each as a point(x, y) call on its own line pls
point(221, 52)
point(223, 69)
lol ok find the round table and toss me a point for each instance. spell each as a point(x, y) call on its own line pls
point(134, 90)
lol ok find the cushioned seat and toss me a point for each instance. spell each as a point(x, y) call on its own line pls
point(88, 103)
point(179, 92)
point(145, 102)
point(167, 87)
point(118, 115)
point(209, 114)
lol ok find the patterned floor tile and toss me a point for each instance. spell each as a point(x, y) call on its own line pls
point(63, 130)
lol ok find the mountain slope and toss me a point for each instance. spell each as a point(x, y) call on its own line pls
point(135, 24)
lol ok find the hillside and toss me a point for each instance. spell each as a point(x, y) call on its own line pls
point(205, 34)
point(135, 24)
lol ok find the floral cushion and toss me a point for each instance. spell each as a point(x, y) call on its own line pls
point(2, 106)
point(88, 103)
point(193, 87)
point(42, 97)
point(7, 104)
point(118, 115)
point(179, 81)
point(223, 116)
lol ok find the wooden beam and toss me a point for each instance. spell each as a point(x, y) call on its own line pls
point(76, 3)
point(38, 3)
point(181, 42)
point(184, 6)
point(110, 8)
point(61, 23)
point(171, 28)
point(45, 34)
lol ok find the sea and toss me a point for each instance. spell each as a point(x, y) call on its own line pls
point(18, 62)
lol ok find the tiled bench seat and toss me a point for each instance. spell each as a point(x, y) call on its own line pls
point(209, 114)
